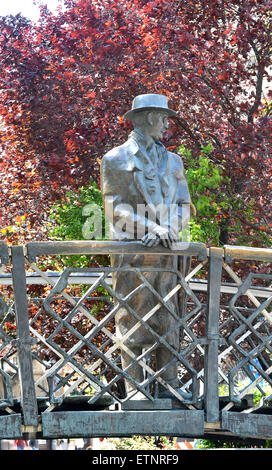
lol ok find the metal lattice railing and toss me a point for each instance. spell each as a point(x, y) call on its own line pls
point(9, 381)
point(248, 341)
point(66, 353)
point(90, 363)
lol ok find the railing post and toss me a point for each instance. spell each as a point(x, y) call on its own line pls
point(212, 333)
point(23, 342)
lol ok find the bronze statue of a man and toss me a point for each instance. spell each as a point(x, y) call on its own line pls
point(145, 191)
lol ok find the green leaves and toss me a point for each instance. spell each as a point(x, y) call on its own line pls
point(206, 184)
point(68, 218)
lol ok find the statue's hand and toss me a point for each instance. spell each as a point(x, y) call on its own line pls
point(151, 239)
point(169, 238)
point(164, 236)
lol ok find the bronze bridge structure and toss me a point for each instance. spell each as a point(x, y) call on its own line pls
point(60, 369)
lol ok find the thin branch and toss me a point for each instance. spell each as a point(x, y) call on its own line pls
point(217, 141)
point(259, 90)
point(182, 123)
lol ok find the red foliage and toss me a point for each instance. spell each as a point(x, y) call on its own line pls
point(67, 81)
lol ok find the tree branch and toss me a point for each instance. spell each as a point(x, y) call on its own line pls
point(259, 89)
point(182, 123)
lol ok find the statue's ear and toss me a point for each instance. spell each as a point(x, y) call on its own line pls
point(150, 118)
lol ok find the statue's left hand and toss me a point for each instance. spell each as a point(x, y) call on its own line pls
point(169, 239)
point(153, 239)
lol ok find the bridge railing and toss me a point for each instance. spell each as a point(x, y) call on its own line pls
point(61, 373)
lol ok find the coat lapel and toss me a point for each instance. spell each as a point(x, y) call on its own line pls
point(163, 170)
point(138, 159)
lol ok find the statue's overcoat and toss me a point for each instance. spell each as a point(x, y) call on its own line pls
point(134, 174)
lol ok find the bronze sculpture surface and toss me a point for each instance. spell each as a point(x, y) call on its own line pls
point(146, 196)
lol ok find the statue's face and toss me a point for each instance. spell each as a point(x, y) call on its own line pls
point(159, 125)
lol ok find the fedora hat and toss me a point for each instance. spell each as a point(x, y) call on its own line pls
point(152, 102)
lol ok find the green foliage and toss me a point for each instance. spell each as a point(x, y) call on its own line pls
point(205, 181)
point(144, 443)
point(68, 216)
point(218, 208)
point(69, 219)
point(232, 444)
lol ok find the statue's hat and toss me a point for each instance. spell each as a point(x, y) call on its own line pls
point(152, 102)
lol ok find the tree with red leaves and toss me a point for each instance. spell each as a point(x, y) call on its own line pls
point(67, 81)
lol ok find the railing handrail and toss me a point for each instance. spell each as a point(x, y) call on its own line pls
point(74, 247)
point(247, 253)
point(34, 249)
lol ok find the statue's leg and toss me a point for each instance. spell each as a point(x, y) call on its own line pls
point(135, 371)
point(170, 374)
point(163, 357)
